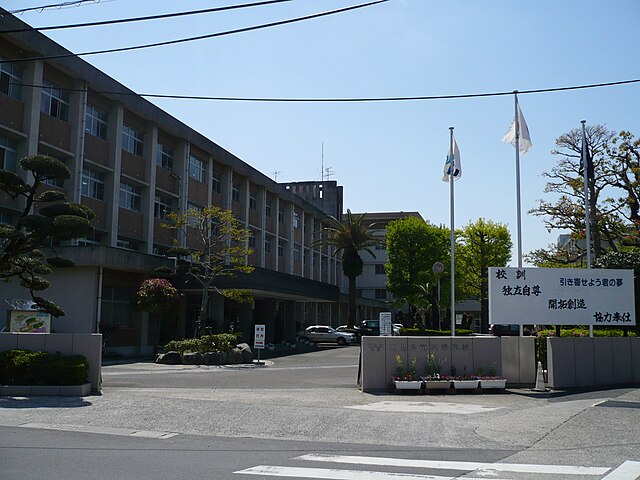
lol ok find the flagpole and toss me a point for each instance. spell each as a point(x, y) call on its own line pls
point(453, 245)
point(518, 204)
point(587, 220)
point(585, 172)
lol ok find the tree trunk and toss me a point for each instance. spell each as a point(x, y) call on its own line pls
point(204, 306)
point(351, 321)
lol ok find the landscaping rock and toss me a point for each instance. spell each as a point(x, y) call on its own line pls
point(234, 357)
point(193, 358)
point(169, 358)
point(245, 350)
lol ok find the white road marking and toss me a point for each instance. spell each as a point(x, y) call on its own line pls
point(101, 430)
point(627, 471)
point(424, 407)
point(464, 466)
point(330, 474)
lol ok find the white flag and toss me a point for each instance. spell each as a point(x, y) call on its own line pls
point(525, 138)
point(452, 166)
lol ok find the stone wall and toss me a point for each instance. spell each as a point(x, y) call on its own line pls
point(512, 357)
point(87, 344)
point(585, 362)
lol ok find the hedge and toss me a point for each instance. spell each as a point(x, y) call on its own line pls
point(416, 332)
point(24, 367)
point(223, 342)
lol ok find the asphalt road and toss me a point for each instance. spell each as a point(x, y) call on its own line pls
point(302, 416)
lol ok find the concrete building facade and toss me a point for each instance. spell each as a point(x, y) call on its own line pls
point(132, 164)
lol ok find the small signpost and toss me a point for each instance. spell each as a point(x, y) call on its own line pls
point(258, 338)
point(386, 327)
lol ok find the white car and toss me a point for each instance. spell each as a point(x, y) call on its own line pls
point(323, 333)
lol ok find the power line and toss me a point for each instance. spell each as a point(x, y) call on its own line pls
point(139, 19)
point(200, 37)
point(75, 3)
point(347, 100)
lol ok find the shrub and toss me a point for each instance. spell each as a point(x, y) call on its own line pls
point(23, 367)
point(416, 332)
point(223, 342)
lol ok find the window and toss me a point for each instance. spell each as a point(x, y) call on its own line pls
point(280, 249)
point(162, 207)
point(54, 101)
point(252, 242)
point(196, 169)
point(8, 154)
point(7, 218)
point(252, 201)
point(11, 80)
point(267, 245)
point(296, 220)
point(129, 197)
point(96, 238)
point(92, 183)
point(164, 156)
point(267, 208)
point(96, 122)
point(297, 253)
point(117, 306)
point(280, 215)
point(381, 294)
point(132, 140)
point(194, 211)
point(235, 193)
point(215, 181)
point(127, 244)
point(380, 269)
point(161, 250)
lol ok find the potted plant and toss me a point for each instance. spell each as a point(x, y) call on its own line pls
point(433, 379)
point(465, 381)
point(491, 381)
point(406, 381)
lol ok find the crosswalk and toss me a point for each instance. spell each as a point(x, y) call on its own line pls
point(629, 470)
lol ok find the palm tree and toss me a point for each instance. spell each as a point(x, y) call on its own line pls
point(348, 238)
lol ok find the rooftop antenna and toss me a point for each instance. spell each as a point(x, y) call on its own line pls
point(322, 163)
point(329, 172)
point(275, 174)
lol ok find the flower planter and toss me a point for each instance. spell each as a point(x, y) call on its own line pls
point(407, 384)
point(493, 383)
point(465, 384)
point(436, 384)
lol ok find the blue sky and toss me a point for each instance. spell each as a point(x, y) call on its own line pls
point(388, 156)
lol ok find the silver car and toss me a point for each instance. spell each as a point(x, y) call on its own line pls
point(323, 333)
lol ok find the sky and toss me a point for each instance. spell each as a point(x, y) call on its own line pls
point(388, 156)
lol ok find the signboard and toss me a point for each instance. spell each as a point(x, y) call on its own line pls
point(561, 296)
point(386, 327)
point(259, 336)
point(28, 321)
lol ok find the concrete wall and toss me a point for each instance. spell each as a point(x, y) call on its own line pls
point(73, 289)
point(512, 357)
point(583, 361)
point(89, 345)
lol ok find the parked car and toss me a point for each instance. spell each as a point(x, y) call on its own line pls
point(397, 327)
point(369, 327)
point(323, 333)
point(508, 330)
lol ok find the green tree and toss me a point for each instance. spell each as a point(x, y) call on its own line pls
point(45, 217)
point(413, 246)
point(218, 246)
point(481, 245)
point(347, 239)
point(614, 206)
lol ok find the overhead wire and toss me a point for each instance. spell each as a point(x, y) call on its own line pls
point(346, 100)
point(199, 37)
point(144, 18)
point(75, 3)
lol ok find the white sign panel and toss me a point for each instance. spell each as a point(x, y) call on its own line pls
point(561, 296)
point(259, 336)
point(386, 327)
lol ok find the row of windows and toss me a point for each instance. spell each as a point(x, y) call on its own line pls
point(11, 80)
point(8, 154)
